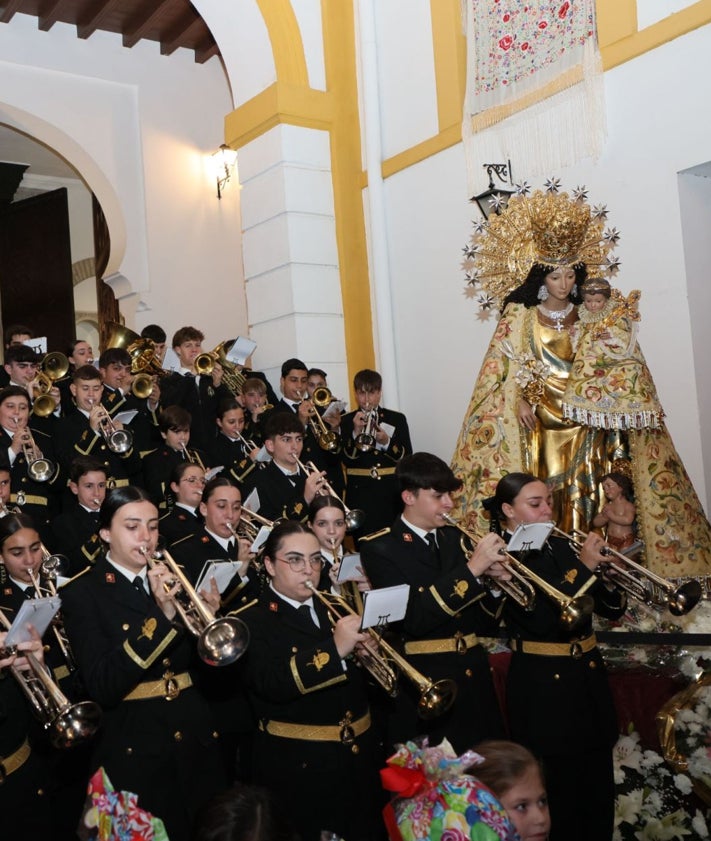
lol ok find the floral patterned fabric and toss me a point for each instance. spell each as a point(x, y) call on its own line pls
point(438, 800)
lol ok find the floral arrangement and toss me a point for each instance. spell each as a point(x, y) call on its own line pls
point(653, 803)
point(693, 737)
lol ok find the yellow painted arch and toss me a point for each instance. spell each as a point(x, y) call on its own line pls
point(287, 43)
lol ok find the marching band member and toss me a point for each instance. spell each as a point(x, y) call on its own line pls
point(448, 607)
point(231, 448)
point(75, 532)
point(79, 353)
point(314, 724)
point(559, 701)
point(115, 369)
point(156, 334)
point(374, 440)
point(254, 398)
point(187, 482)
point(136, 661)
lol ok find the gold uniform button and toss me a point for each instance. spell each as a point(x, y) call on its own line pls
point(355, 749)
point(294, 649)
point(178, 736)
point(556, 677)
point(166, 661)
point(420, 589)
point(593, 664)
point(40, 792)
point(125, 626)
point(215, 734)
point(129, 751)
point(468, 672)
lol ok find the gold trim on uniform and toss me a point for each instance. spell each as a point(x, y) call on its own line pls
point(373, 472)
point(446, 608)
point(168, 687)
point(555, 649)
point(300, 684)
point(343, 732)
point(375, 534)
point(145, 664)
point(14, 761)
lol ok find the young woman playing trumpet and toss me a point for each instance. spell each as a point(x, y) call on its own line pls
point(559, 702)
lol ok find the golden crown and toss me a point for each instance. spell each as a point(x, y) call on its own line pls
point(546, 227)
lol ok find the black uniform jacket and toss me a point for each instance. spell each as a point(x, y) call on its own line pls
point(231, 456)
point(370, 476)
point(178, 524)
point(202, 401)
point(560, 705)
point(164, 750)
point(446, 602)
point(144, 425)
point(158, 467)
point(75, 437)
point(279, 495)
point(75, 534)
point(295, 676)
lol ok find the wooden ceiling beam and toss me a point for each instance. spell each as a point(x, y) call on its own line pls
point(93, 17)
point(177, 36)
point(50, 14)
point(142, 23)
point(8, 9)
point(205, 51)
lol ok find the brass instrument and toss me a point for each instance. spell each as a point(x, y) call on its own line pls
point(573, 609)
point(220, 641)
point(350, 588)
point(46, 585)
point(435, 697)
point(68, 724)
point(192, 456)
point(54, 367)
point(327, 439)
point(639, 582)
point(39, 468)
point(232, 379)
point(354, 516)
point(144, 363)
point(365, 440)
point(251, 523)
point(117, 440)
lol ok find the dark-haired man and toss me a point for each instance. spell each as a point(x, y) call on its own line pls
point(449, 604)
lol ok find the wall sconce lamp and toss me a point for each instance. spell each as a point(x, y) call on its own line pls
point(494, 199)
point(225, 160)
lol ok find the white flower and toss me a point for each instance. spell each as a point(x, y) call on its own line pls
point(626, 752)
point(683, 783)
point(650, 758)
point(698, 824)
point(628, 807)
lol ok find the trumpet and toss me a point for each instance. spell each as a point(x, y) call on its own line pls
point(39, 468)
point(573, 609)
point(54, 367)
point(220, 641)
point(117, 440)
point(354, 516)
point(639, 582)
point(142, 385)
point(68, 724)
point(46, 585)
point(192, 456)
point(232, 378)
point(436, 697)
point(251, 523)
point(350, 588)
point(142, 352)
point(327, 439)
point(365, 440)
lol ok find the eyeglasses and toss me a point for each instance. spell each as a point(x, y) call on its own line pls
point(301, 564)
point(193, 480)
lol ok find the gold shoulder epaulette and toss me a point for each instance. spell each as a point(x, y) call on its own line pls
point(182, 539)
point(375, 534)
point(144, 453)
point(243, 607)
point(86, 569)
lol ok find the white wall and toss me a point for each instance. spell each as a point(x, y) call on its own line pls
point(139, 128)
point(657, 127)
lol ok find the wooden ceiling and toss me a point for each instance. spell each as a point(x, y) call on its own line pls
point(173, 23)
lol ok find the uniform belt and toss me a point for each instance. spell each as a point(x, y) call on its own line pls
point(556, 649)
point(30, 499)
point(119, 483)
point(61, 672)
point(459, 643)
point(14, 761)
point(374, 472)
point(346, 731)
point(169, 687)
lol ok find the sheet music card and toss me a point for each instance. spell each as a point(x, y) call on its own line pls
point(383, 606)
point(350, 568)
point(241, 350)
point(222, 571)
point(36, 612)
point(529, 536)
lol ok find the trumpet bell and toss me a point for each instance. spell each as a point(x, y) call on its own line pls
point(75, 724)
point(685, 598)
point(364, 442)
point(43, 406)
point(354, 519)
point(120, 441)
point(55, 365)
point(142, 386)
point(329, 441)
point(41, 470)
point(205, 364)
point(322, 397)
point(437, 699)
point(576, 612)
point(223, 641)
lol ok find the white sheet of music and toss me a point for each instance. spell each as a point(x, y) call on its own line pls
point(529, 536)
point(383, 606)
point(36, 612)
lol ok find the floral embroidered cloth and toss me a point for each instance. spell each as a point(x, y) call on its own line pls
point(436, 799)
point(112, 815)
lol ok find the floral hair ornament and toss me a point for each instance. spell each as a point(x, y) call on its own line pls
point(545, 227)
point(436, 799)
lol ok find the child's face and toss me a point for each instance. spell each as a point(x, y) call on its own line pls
point(527, 806)
point(594, 301)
